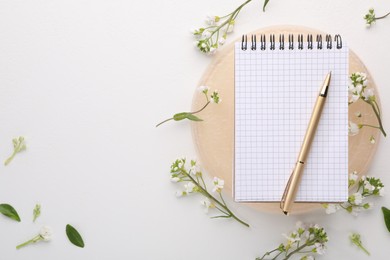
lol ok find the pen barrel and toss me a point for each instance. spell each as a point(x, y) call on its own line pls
point(294, 181)
point(311, 129)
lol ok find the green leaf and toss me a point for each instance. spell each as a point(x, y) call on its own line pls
point(386, 215)
point(265, 4)
point(74, 236)
point(193, 117)
point(186, 115)
point(180, 116)
point(9, 211)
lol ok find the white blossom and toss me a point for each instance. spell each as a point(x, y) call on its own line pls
point(46, 233)
point(212, 51)
point(189, 187)
point(368, 93)
point(355, 211)
point(353, 128)
point(332, 208)
point(357, 198)
point(353, 176)
point(175, 179)
point(320, 248)
point(208, 204)
point(218, 184)
point(292, 238)
point(203, 89)
point(212, 20)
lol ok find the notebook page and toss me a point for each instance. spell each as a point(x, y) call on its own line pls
point(275, 92)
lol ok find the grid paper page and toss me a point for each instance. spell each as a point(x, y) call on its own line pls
point(275, 92)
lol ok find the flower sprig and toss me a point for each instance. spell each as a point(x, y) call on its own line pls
point(19, 146)
point(359, 90)
point(366, 187)
point(44, 235)
point(371, 18)
point(214, 35)
point(307, 240)
point(214, 98)
point(194, 183)
point(355, 239)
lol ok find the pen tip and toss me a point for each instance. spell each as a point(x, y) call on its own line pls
point(285, 213)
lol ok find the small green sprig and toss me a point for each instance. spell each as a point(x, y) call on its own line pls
point(194, 183)
point(36, 212)
point(366, 187)
point(211, 37)
point(355, 239)
point(19, 146)
point(359, 90)
point(214, 98)
point(306, 240)
point(371, 18)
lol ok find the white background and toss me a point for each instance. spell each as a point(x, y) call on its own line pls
point(86, 81)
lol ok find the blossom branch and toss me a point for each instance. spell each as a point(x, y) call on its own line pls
point(371, 18)
point(180, 174)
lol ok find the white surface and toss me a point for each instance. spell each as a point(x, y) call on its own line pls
point(275, 92)
point(86, 81)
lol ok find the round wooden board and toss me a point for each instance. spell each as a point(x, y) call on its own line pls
point(213, 137)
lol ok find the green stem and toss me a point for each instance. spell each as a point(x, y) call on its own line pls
point(362, 248)
point(373, 126)
point(227, 21)
point(381, 17)
point(308, 243)
point(10, 158)
point(377, 113)
point(33, 240)
point(266, 254)
point(208, 195)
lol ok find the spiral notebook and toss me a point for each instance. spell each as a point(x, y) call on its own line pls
point(277, 80)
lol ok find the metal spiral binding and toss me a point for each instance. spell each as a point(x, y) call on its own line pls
point(319, 41)
point(262, 44)
point(328, 41)
point(291, 41)
point(300, 42)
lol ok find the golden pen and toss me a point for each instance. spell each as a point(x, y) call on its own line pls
point(293, 183)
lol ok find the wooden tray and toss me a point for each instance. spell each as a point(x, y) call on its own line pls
point(213, 137)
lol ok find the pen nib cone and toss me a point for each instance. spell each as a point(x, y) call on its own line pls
point(325, 86)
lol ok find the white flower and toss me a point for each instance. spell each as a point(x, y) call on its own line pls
point(332, 208)
point(382, 191)
point(357, 198)
point(368, 93)
point(368, 186)
point(218, 184)
point(212, 51)
point(355, 97)
point(353, 128)
point(372, 140)
point(203, 89)
point(353, 176)
point(221, 41)
point(355, 211)
point(175, 179)
point(292, 238)
point(212, 19)
point(320, 248)
point(46, 233)
point(189, 187)
point(208, 204)
point(363, 178)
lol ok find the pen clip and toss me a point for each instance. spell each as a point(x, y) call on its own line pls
point(286, 190)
